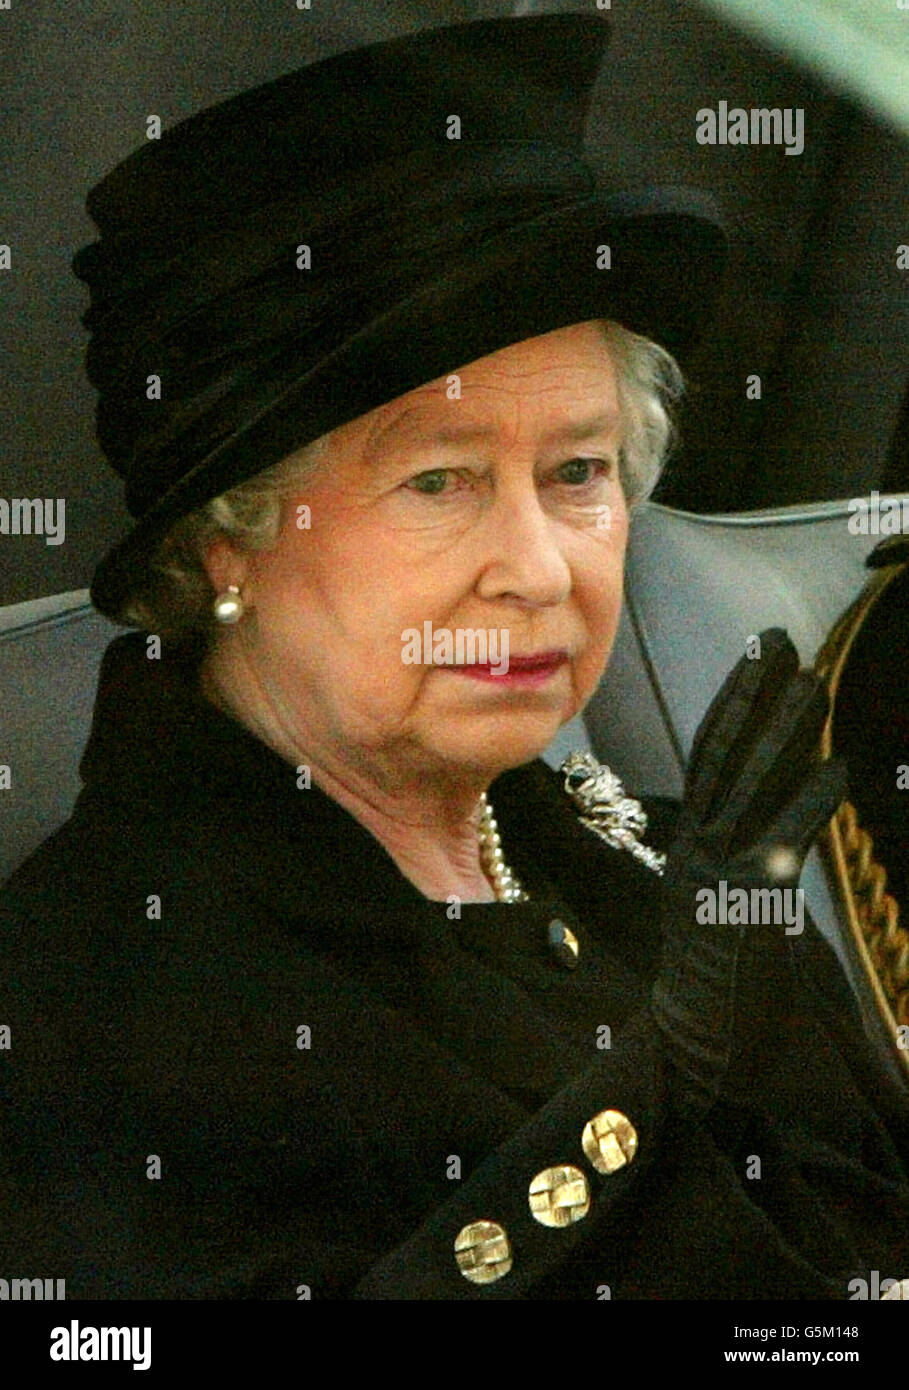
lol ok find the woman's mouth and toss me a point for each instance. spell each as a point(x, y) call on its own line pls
point(531, 670)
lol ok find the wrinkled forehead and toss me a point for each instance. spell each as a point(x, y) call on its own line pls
point(488, 397)
point(490, 415)
point(563, 383)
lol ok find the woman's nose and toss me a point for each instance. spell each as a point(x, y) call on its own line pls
point(522, 554)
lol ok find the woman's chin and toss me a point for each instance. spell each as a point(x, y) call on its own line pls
point(497, 745)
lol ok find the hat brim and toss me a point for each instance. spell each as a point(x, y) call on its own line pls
point(667, 251)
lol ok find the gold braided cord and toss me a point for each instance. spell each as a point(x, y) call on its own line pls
point(872, 913)
point(878, 912)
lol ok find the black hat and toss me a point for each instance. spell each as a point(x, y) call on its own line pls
point(438, 183)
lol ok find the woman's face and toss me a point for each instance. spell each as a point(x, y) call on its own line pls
point(497, 511)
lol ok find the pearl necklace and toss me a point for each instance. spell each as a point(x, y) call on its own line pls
point(504, 884)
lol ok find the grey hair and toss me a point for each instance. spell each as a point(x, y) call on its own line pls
point(175, 597)
point(650, 384)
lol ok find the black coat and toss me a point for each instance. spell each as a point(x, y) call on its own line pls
point(449, 1060)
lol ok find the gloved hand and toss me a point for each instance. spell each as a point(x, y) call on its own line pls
point(756, 796)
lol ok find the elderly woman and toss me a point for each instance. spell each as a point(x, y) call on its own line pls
point(330, 987)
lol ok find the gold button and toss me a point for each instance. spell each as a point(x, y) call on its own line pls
point(563, 943)
point(482, 1252)
point(900, 1290)
point(559, 1196)
point(609, 1140)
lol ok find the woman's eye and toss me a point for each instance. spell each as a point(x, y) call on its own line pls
point(431, 483)
point(582, 470)
point(575, 472)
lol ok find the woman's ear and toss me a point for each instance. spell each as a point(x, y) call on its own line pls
point(224, 564)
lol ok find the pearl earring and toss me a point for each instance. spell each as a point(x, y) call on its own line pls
point(228, 607)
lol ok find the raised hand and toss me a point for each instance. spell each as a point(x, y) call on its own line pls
point(756, 796)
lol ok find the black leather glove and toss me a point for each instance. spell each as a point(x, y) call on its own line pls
point(756, 796)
